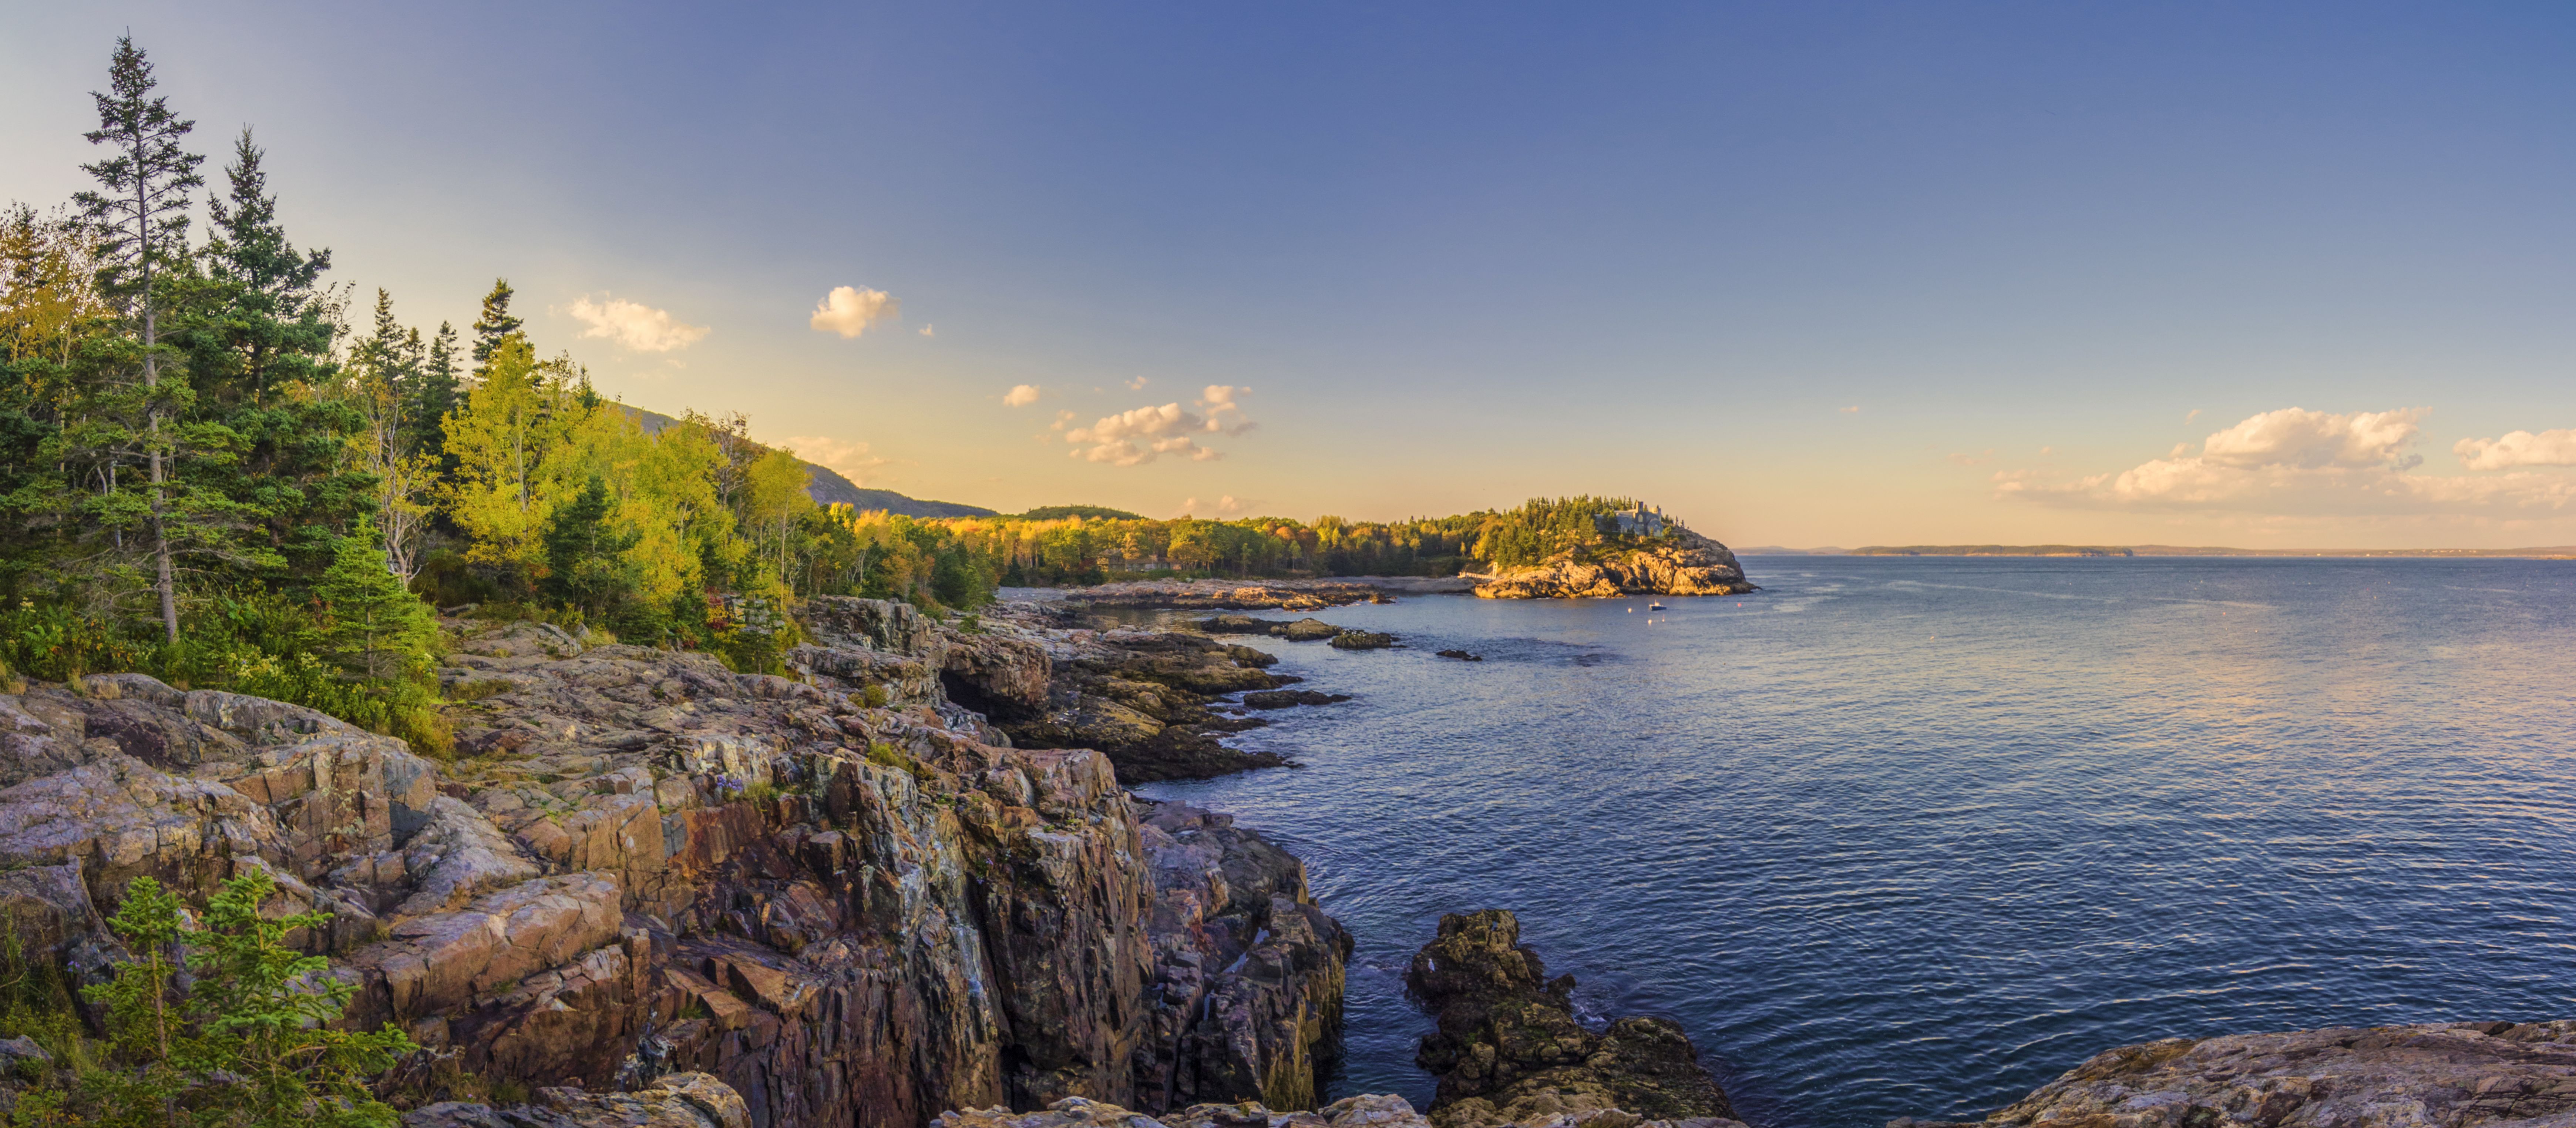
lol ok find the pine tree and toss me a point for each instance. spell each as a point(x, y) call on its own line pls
point(495, 324)
point(142, 218)
point(585, 551)
point(376, 628)
point(434, 394)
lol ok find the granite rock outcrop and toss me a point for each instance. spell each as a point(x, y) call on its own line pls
point(647, 864)
point(1142, 698)
point(1509, 1047)
point(1678, 562)
point(2439, 1075)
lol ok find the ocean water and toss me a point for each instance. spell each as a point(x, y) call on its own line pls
point(1913, 836)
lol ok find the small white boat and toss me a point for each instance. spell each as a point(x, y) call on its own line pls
point(1654, 607)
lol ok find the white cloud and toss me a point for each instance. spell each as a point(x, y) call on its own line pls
point(1140, 435)
point(1852, 410)
point(1227, 505)
point(2312, 440)
point(2295, 462)
point(1138, 384)
point(2518, 448)
point(927, 331)
point(2190, 415)
point(849, 311)
point(633, 325)
point(1020, 395)
point(851, 459)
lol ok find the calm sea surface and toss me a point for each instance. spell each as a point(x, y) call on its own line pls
point(1911, 836)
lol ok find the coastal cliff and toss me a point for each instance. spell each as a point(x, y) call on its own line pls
point(849, 913)
point(1677, 562)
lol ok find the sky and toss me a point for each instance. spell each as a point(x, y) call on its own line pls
point(2285, 275)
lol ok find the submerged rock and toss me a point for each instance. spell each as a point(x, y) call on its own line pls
point(1288, 698)
point(1241, 624)
point(1462, 655)
point(2439, 1075)
point(1509, 1049)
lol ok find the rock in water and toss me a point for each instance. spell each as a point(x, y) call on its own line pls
point(1286, 698)
point(1509, 1048)
point(2441, 1075)
point(1362, 640)
point(1306, 630)
point(1462, 655)
point(1679, 562)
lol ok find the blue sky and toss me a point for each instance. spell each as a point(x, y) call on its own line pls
point(1805, 274)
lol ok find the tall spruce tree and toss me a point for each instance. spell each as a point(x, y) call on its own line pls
point(141, 215)
point(495, 323)
point(277, 325)
point(434, 393)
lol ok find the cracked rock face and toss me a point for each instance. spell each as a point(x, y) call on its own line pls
point(841, 913)
point(1689, 564)
point(2442, 1075)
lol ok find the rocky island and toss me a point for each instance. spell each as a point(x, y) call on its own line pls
point(1640, 552)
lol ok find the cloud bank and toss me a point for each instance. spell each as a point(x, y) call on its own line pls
point(2518, 448)
point(1141, 435)
point(634, 325)
point(2296, 462)
point(848, 310)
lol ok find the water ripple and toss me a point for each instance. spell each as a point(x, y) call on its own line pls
point(1955, 825)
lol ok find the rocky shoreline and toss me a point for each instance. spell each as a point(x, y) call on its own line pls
point(908, 886)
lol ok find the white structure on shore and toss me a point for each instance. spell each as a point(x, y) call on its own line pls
point(1643, 521)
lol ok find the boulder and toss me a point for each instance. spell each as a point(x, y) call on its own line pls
point(1307, 630)
point(1362, 640)
point(1509, 1048)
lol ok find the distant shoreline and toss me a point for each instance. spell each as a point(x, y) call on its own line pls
point(2563, 552)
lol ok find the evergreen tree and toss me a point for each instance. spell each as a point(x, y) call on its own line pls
point(434, 393)
point(142, 221)
point(585, 551)
point(495, 324)
point(277, 325)
point(376, 628)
